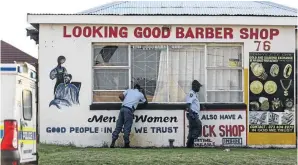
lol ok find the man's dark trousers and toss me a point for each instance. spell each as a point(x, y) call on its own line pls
point(195, 128)
point(125, 118)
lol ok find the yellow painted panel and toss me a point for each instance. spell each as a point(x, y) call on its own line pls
point(25, 141)
point(271, 139)
point(29, 129)
point(246, 86)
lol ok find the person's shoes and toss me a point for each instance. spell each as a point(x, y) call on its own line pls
point(190, 143)
point(126, 145)
point(112, 144)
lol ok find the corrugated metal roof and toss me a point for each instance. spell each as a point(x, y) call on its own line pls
point(256, 8)
point(195, 8)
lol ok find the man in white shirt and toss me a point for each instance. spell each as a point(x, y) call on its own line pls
point(193, 109)
point(131, 99)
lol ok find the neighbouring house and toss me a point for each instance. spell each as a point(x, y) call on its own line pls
point(11, 54)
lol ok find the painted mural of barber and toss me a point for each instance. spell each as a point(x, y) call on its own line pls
point(131, 99)
point(66, 92)
point(193, 108)
point(59, 72)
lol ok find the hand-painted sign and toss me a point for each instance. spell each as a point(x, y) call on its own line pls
point(219, 128)
point(167, 32)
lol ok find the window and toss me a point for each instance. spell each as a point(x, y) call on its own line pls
point(147, 64)
point(224, 70)
point(166, 72)
point(27, 105)
point(111, 72)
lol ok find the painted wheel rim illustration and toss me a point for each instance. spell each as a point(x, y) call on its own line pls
point(257, 69)
point(287, 70)
point(256, 87)
point(270, 87)
point(265, 105)
point(274, 70)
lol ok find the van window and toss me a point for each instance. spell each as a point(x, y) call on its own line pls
point(27, 105)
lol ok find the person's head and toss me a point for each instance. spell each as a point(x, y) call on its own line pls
point(67, 78)
point(195, 86)
point(137, 86)
point(61, 60)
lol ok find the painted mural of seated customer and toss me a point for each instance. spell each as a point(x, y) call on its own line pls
point(66, 93)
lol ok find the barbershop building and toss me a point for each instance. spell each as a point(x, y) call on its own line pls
point(242, 52)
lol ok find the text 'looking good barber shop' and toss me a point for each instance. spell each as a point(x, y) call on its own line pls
point(243, 53)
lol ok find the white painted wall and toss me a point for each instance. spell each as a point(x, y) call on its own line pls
point(78, 53)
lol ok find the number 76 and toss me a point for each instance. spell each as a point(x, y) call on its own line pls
point(265, 45)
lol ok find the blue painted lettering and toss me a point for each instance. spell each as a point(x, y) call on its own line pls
point(164, 129)
point(55, 129)
point(83, 130)
point(108, 130)
point(141, 130)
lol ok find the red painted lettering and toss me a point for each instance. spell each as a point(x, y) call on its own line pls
point(209, 33)
point(105, 32)
point(96, 31)
point(113, 32)
point(211, 131)
point(244, 33)
point(254, 33)
point(241, 129)
point(204, 131)
point(179, 32)
point(65, 33)
point(189, 33)
point(218, 33)
point(77, 31)
point(156, 32)
point(228, 33)
point(231, 130)
point(147, 32)
point(165, 32)
point(123, 32)
point(208, 131)
point(264, 34)
point(87, 31)
point(273, 32)
point(199, 33)
point(138, 32)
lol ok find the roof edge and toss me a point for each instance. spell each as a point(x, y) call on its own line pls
point(243, 15)
point(278, 6)
point(162, 20)
point(101, 7)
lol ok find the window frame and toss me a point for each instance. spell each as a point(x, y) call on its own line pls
point(225, 68)
point(206, 68)
point(94, 46)
point(23, 108)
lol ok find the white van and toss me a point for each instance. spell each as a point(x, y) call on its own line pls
point(18, 114)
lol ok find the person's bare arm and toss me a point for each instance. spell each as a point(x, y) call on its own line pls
point(122, 95)
point(187, 107)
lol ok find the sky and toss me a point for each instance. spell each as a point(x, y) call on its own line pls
point(13, 16)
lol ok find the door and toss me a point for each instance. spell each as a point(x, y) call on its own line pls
point(27, 132)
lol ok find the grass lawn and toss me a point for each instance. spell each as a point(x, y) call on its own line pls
point(64, 155)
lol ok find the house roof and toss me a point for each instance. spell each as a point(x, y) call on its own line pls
point(192, 8)
point(10, 54)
